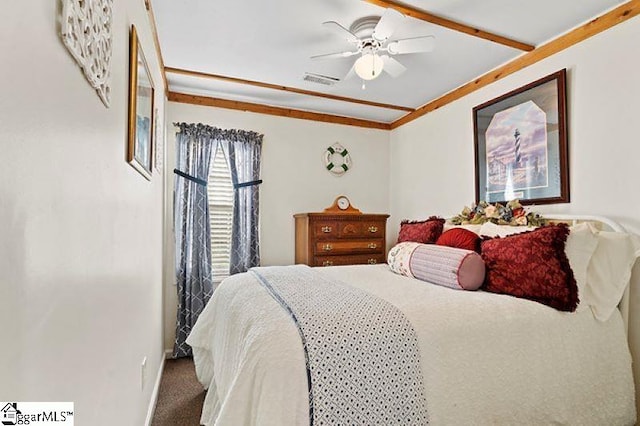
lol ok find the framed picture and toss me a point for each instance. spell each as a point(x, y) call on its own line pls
point(521, 148)
point(141, 129)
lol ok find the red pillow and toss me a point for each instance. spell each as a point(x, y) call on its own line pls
point(532, 265)
point(460, 238)
point(424, 232)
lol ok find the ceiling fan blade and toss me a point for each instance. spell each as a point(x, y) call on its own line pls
point(390, 20)
point(412, 45)
point(392, 67)
point(341, 31)
point(335, 55)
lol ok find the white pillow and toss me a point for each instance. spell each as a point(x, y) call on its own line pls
point(609, 271)
point(490, 229)
point(473, 228)
point(581, 244)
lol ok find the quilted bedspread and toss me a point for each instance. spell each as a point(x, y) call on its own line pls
point(486, 359)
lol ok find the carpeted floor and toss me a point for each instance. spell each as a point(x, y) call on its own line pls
point(180, 396)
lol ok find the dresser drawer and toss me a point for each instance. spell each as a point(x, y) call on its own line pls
point(373, 229)
point(360, 229)
point(325, 229)
point(350, 229)
point(361, 259)
point(335, 247)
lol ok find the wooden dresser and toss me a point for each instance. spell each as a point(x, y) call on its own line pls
point(328, 239)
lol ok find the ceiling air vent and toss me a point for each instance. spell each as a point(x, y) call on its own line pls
point(320, 79)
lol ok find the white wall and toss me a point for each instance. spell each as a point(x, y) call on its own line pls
point(295, 180)
point(432, 163)
point(80, 229)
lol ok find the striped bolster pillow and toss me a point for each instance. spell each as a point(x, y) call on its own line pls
point(451, 267)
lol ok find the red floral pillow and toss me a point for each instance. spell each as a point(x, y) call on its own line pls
point(425, 232)
point(532, 265)
point(460, 238)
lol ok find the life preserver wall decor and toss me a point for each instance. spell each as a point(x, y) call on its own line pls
point(337, 159)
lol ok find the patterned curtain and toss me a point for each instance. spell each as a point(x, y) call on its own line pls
point(245, 149)
point(192, 229)
point(195, 144)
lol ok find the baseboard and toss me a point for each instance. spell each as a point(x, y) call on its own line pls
point(168, 354)
point(154, 394)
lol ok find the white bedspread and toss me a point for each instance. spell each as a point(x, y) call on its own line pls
point(486, 358)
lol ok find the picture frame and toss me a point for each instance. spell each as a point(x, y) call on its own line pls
point(156, 138)
point(141, 116)
point(521, 144)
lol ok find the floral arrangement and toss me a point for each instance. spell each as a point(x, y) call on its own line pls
point(510, 214)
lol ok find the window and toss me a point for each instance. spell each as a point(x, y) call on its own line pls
point(220, 191)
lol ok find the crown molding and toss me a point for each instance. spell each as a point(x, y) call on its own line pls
point(156, 42)
point(272, 110)
point(199, 74)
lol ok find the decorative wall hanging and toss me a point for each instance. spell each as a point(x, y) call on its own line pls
point(140, 146)
point(521, 144)
point(337, 159)
point(86, 32)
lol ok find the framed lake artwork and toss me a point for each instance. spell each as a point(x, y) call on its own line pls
point(141, 129)
point(521, 147)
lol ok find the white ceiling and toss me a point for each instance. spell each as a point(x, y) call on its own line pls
point(272, 41)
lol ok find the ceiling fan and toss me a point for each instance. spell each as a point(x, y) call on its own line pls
point(370, 37)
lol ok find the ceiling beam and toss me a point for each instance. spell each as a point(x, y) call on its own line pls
point(452, 25)
point(271, 110)
point(286, 89)
point(595, 26)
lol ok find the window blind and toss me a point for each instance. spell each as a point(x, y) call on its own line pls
point(220, 192)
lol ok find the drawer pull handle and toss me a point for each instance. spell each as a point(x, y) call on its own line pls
point(327, 247)
point(327, 263)
point(372, 261)
point(372, 245)
point(326, 229)
point(373, 229)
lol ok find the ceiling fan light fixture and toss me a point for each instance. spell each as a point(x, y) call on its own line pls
point(368, 66)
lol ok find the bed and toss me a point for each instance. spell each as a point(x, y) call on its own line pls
point(484, 358)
